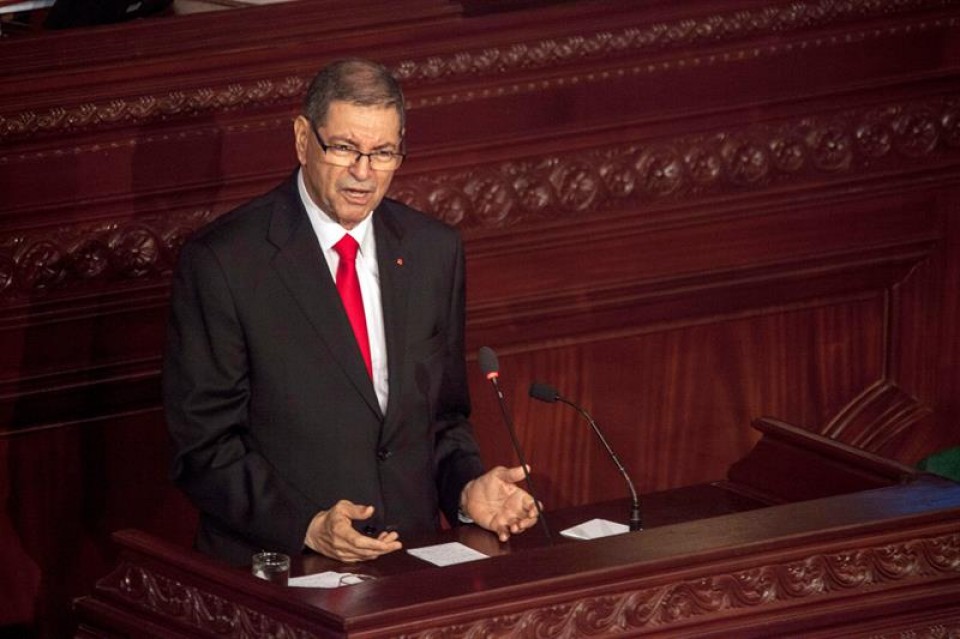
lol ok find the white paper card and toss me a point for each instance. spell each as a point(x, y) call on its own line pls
point(447, 554)
point(328, 579)
point(595, 529)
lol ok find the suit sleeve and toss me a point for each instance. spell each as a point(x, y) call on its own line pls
point(206, 393)
point(457, 454)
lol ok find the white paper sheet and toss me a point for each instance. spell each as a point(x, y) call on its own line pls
point(595, 529)
point(328, 579)
point(447, 554)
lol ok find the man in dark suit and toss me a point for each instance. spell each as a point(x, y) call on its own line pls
point(296, 424)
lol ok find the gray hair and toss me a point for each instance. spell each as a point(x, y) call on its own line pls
point(356, 81)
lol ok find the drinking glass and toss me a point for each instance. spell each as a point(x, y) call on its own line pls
point(271, 566)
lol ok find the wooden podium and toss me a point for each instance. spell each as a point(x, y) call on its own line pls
point(805, 537)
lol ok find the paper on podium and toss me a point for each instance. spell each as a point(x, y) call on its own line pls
point(447, 554)
point(328, 579)
point(595, 529)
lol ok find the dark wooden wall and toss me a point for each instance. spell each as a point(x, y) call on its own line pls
point(683, 215)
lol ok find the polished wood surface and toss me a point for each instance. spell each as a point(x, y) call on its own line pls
point(711, 563)
point(683, 215)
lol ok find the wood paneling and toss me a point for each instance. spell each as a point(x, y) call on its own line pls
point(683, 215)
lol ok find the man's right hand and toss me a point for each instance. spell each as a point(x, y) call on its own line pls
point(331, 533)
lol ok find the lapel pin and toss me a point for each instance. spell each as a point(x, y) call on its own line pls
point(399, 261)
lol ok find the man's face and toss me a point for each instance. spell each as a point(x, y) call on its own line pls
point(348, 193)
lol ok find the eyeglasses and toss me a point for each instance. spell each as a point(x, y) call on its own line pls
point(343, 155)
point(352, 579)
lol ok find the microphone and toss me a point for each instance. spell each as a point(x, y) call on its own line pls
point(550, 395)
point(491, 369)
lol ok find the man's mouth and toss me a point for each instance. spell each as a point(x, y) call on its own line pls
point(358, 196)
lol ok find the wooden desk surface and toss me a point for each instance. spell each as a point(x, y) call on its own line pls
point(659, 509)
point(867, 559)
point(675, 539)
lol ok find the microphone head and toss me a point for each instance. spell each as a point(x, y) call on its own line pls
point(488, 362)
point(544, 392)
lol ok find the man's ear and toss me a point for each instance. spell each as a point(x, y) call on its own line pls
point(301, 137)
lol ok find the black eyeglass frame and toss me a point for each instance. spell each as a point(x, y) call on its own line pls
point(360, 154)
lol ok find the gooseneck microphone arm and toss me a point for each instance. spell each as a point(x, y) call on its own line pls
point(546, 393)
point(491, 369)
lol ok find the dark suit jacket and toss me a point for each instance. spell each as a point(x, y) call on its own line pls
point(269, 405)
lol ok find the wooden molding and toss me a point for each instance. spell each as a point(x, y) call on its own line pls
point(724, 593)
point(514, 63)
point(640, 174)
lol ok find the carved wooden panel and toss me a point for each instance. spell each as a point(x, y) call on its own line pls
point(681, 604)
point(854, 565)
point(674, 605)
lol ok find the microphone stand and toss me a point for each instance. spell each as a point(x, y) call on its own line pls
point(635, 521)
point(519, 451)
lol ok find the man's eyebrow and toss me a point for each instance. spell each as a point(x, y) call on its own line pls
point(348, 141)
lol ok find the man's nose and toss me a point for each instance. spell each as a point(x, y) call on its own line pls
point(360, 169)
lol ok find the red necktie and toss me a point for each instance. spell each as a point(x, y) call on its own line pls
point(349, 287)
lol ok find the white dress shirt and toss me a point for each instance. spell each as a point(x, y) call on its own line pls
point(329, 233)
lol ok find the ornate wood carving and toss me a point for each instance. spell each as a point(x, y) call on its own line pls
point(642, 172)
point(551, 53)
point(676, 35)
point(155, 593)
point(571, 185)
point(82, 257)
point(837, 574)
point(148, 108)
point(923, 631)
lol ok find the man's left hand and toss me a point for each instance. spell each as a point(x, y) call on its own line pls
point(495, 502)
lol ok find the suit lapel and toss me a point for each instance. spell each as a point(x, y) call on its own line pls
point(393, 293)
point(303, 270)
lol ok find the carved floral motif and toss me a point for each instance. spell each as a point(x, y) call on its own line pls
point(916, 132)
point(683, 32)
point(691, 31)
point(146, 108)
point(939, 631)
point(579, 183)
point(41, 266)
point(86, 256)
point(751, 158)
point(723, 594)
point(192, 607)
